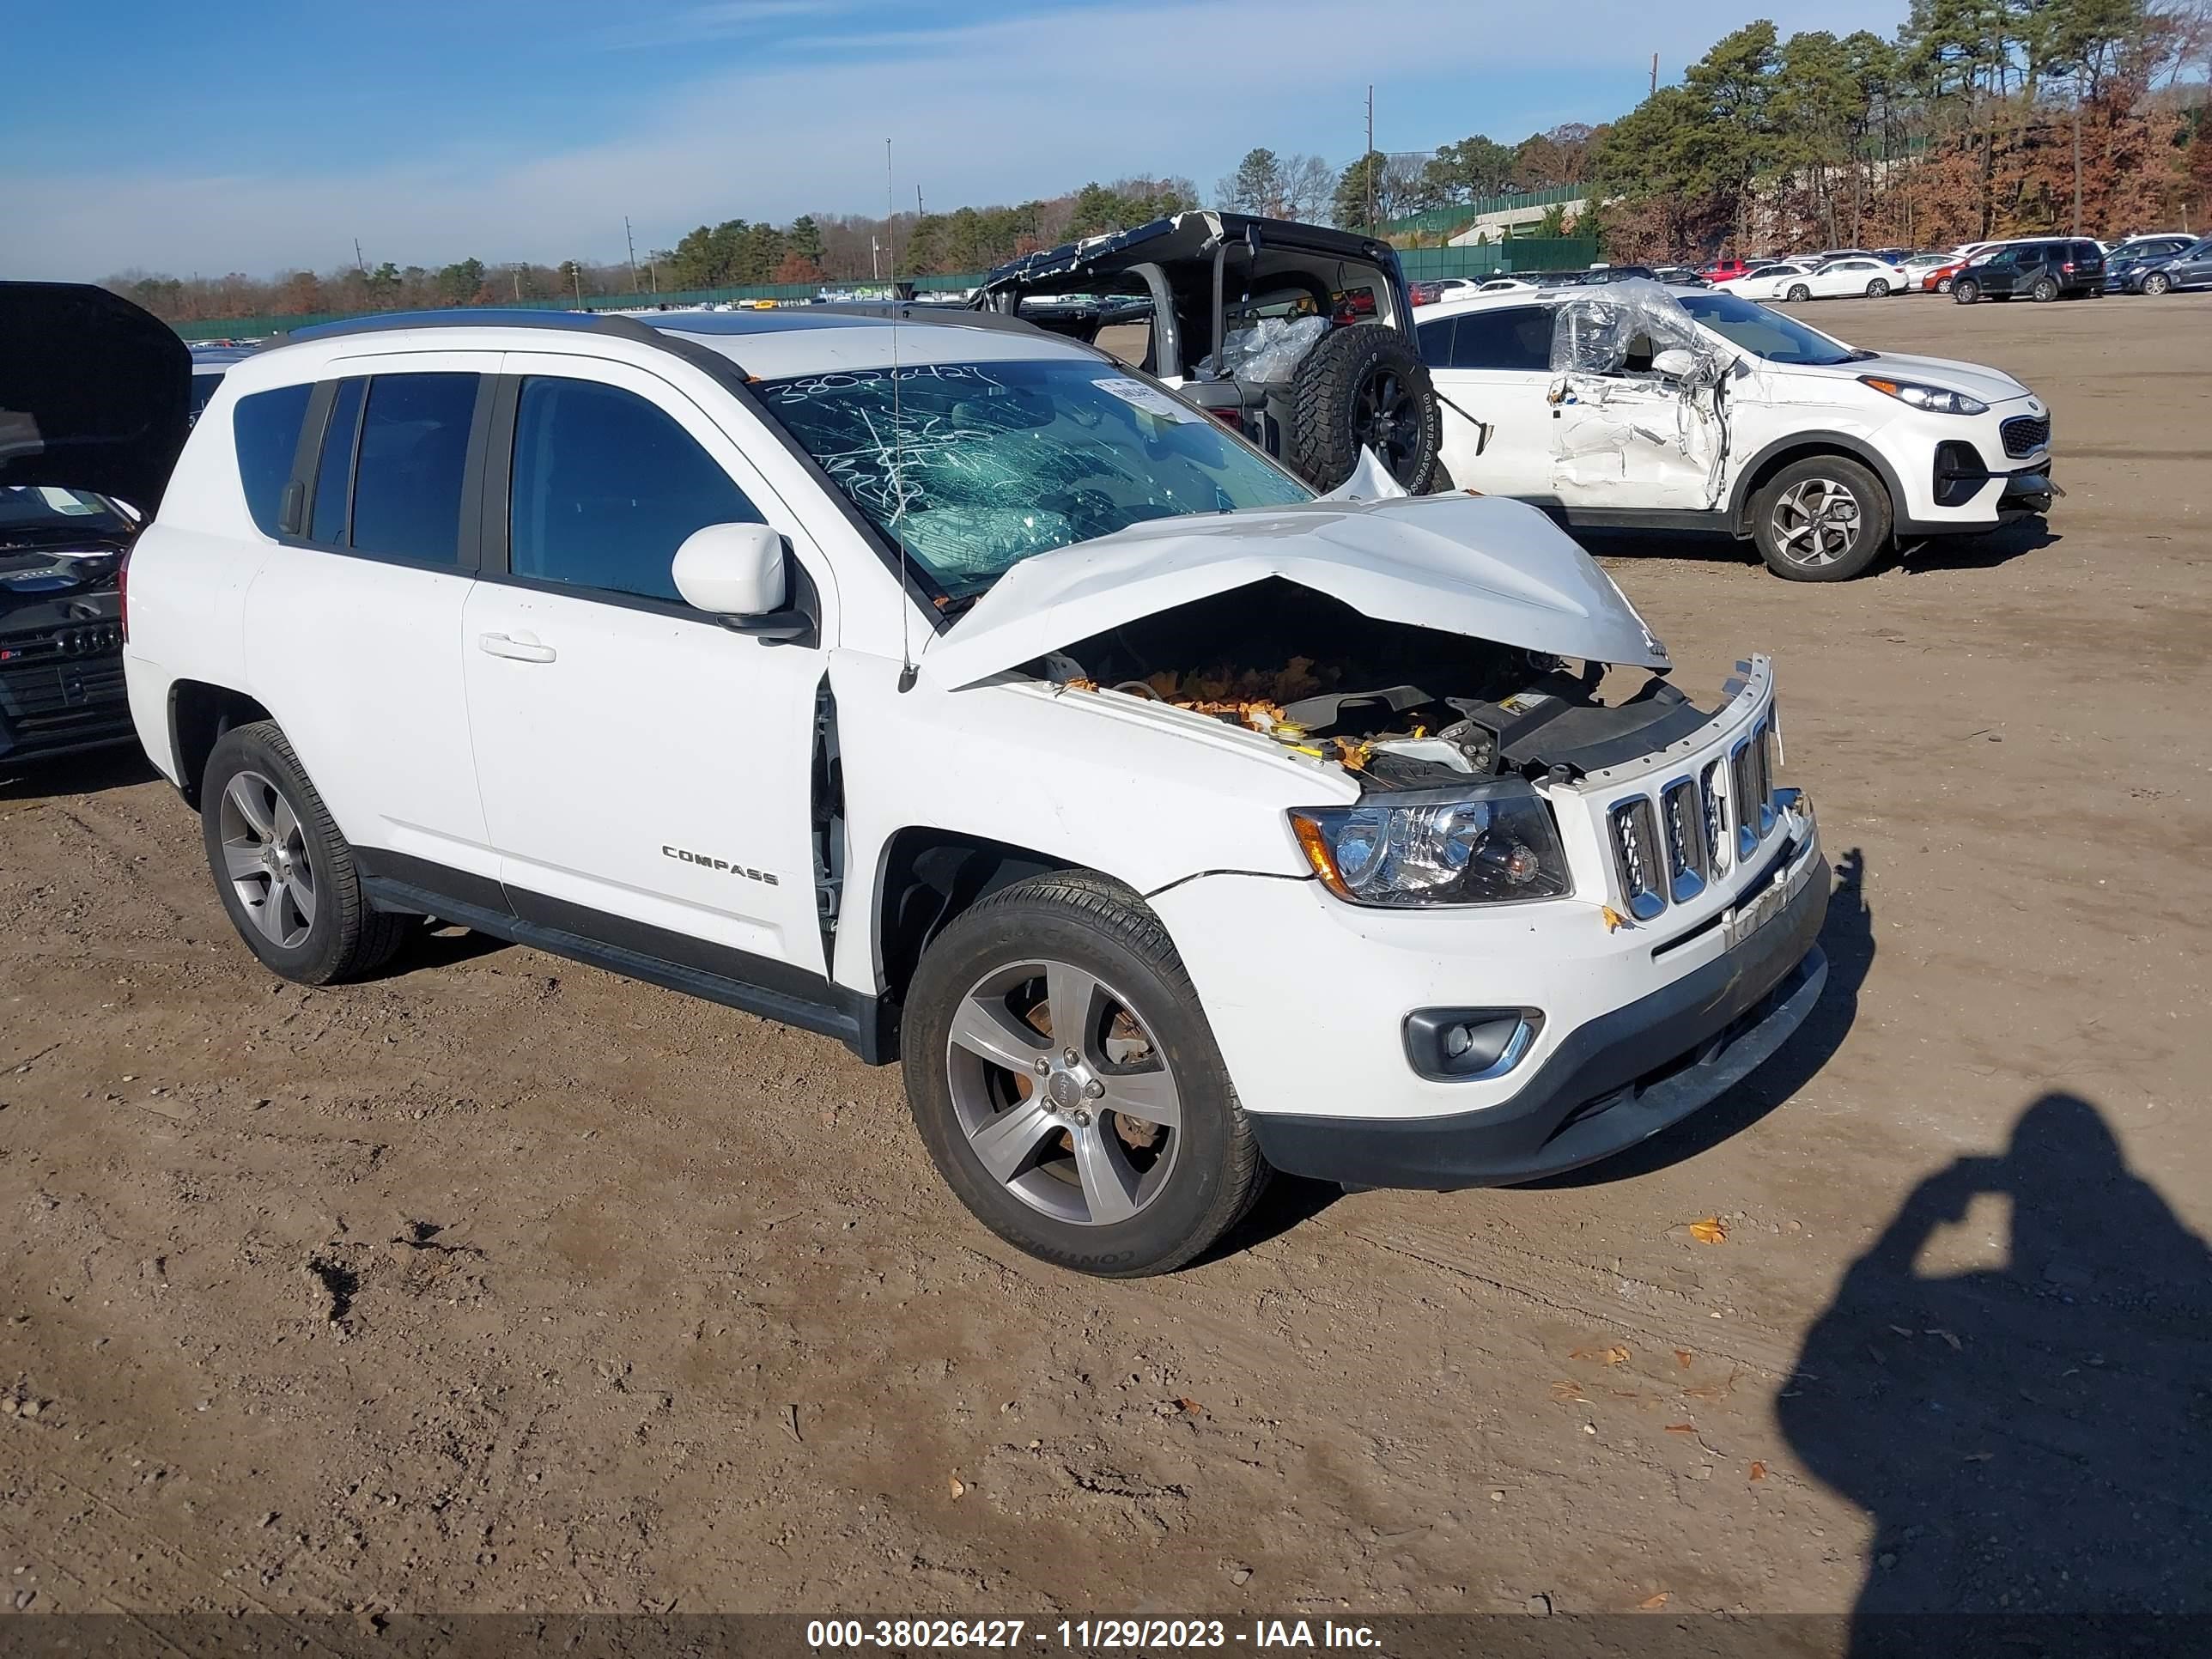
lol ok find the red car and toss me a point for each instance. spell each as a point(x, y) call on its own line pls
point(1725, 271)
point(1938, 281)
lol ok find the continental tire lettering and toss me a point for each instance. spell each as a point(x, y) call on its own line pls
point(720, 867)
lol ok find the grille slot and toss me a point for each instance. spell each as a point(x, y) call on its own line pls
point(1682, 823)
point(1637, 856)
point(1713, 786)
point(2024, 434)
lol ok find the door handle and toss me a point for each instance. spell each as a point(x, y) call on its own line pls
point(522, 648)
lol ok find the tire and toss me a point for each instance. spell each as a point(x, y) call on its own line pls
point(1966, 293)
point(2157, 283)
point(2043, 292)
point(1799, 529)
point(1878, 290)
point(283, 873)
point(1068, 1182)
point(1798, 291)
point(1943, 287)
point(1440, 481)
point(1364, 385)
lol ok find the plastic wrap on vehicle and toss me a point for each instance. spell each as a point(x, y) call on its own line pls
point(1593, 332)
point(1269, 351)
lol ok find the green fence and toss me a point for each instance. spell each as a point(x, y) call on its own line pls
point(1450, 221)
point(254, 328)
point(1424, 265)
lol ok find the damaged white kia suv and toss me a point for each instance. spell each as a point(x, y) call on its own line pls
point(939, 684)
point(1634, 406)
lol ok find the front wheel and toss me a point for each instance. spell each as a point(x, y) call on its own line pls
point(1066, 1082)
point(1798, 291)
point(2043, 292)
point(1877, 289)
point(284, 873)
point(1944, 286)
point(2157, 283)
point(1966, 293)
point(1822, 519)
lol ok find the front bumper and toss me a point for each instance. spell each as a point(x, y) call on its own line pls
point(61, 679)
point(1616, 1080)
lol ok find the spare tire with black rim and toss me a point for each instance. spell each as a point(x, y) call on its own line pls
point(1364, 387)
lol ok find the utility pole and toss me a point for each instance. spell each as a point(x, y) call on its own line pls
point(1655, 75)
point(359, 264)
point(1367, 161)
point(576, 272)
point(516, 272)
point(632, 243)
point(2077, 161)
point(890, 231)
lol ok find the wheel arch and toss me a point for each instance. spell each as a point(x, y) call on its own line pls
point(1805, 447)
point(927, 878)
point(200, 713)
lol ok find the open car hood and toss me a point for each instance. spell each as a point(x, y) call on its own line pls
point(95, 394)
point(1488, 568)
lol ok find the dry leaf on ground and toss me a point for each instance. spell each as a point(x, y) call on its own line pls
point(1758, 1470)
point(1652, 1603)
point(1712, 1230)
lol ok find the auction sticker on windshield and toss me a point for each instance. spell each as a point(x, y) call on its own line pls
point(1138, 395)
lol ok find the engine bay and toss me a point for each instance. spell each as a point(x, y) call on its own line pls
point(1402, 708)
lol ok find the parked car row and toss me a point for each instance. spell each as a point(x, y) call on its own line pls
point(2043, 268)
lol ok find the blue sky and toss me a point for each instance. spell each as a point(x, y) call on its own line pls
point(255, 136)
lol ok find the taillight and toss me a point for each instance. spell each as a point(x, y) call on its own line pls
point(2065, 266)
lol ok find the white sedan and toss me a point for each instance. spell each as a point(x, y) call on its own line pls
point(1833, 280)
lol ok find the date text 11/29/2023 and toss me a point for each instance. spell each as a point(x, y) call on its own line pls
point(1084, 1634)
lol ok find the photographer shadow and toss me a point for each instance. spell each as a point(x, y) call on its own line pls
point(2031, 1439)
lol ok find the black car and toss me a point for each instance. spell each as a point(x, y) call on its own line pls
point(2064, 268)
point(2191, 268)
point(81, 469)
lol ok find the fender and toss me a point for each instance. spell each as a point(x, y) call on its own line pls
point(1738, 507)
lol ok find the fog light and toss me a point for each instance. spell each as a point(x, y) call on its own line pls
point(1460, 1045)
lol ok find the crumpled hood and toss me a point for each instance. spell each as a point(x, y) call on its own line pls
point(1485, 567)
point(95, 393)
point(1991, 386)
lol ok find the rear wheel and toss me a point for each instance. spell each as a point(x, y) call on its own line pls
point(2043, 292)
point(1965, 292)
point(1877, 289)
point(1066, 1082)
point(1825, 519)
point(284, 873)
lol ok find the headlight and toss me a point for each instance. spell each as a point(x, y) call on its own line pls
point(1936, 399)
point(1486, 845)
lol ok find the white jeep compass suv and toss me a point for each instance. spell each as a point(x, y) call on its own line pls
point(937, 684)
point(1635, 406)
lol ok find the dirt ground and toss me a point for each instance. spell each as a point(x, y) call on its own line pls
point(501, 1283)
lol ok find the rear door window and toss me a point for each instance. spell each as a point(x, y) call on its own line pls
point(1435, 340)
point(334, 468)
point(265, 428)
point(410, 463)
point(1512, 338)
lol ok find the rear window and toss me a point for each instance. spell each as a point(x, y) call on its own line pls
point(265, 427)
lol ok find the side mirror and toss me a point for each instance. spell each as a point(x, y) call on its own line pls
point(1674, 363)
point(731, 570)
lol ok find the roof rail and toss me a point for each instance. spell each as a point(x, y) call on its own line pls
point(910, 311)
point(472, 317)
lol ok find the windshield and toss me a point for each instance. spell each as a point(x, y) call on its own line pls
point(1766, 334)
point(982, 465)
point(42, 513)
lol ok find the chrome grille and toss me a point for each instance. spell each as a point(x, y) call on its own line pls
point(1637, 856)
point(1682, 821)
point(1751, 788)
point(2024, 434)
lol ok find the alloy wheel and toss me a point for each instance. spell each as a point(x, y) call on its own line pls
point(1064, 1095)
point(264, 855)
point(2157, 283)
point(1798, 291)
point(1877, 289)
point(1387, 418)
point(1816, 521)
